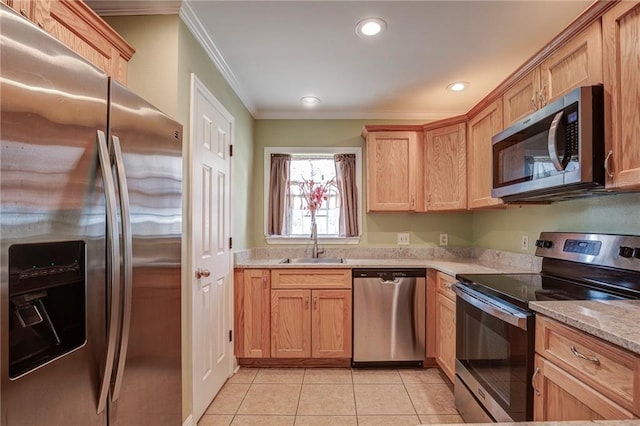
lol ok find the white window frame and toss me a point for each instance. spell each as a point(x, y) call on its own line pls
point(281, 239)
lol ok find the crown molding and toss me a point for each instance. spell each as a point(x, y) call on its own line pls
point(198, 30)
point(140, 7)
point(356, 115)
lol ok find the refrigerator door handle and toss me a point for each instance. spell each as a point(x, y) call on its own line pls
point(127, 264)
point(113, 284)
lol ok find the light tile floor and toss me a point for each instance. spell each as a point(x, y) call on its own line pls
point(328, 396)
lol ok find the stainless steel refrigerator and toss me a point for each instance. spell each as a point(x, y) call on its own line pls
point(90, 229)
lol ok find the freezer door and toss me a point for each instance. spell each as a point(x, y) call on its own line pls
point(51, 105)
point(147, 150)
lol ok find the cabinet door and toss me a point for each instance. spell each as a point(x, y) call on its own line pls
point(446, 335)
point(290, 323)
point(253, 309)
point(481, 129)
point(446, 168)
point(84, 32)
point(393, 171)
point(576, 63)
point(558, 396)
point(522, 98)
point(331, 324)
point(622, 82)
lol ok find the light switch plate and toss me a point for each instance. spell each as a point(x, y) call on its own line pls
point(444, 239)
point(403, 238)
point(524, 243)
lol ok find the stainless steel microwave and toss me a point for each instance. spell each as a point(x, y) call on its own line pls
point(555, 153)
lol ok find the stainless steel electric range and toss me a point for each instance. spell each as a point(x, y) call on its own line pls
point(495, 327)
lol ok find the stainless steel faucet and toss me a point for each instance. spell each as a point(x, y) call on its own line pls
point(315, 252)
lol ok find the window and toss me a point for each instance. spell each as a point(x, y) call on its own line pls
point(287, 206)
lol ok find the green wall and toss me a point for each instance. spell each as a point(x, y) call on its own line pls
point(500, 229)
point(503, 229)
point(378, 229)
point(160, 71)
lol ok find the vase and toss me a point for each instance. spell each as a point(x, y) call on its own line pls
point(314, 229)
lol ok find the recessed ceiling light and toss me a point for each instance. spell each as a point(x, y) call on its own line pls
point(458, 86)
point(309, 101)
point(370, 27)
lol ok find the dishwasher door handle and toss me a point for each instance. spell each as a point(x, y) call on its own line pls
point(394, 281)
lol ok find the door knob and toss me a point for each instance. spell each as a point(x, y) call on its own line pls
point(202, 273)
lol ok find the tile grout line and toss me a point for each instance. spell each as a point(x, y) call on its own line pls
point(243, 398)
point(404, 385)
point(353, 389)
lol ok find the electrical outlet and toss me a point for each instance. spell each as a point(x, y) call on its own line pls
point(403, 239)
point(444, 239)
point(524, 243)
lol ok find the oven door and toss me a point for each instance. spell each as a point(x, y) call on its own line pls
point(494, 358)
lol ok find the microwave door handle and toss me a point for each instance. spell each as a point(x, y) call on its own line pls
point(552, 143)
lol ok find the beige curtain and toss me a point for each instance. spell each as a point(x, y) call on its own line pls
point(346, 182)
point(278, 193)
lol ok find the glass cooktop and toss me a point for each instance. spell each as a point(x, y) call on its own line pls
point(520, 289)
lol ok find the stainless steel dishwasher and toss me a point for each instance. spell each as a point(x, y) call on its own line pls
point(388, 317)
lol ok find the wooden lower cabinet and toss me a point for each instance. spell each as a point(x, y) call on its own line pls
point(441, 321)
point(252, 313)
point(311, 323)
point(291, 323)
point(580, 377)
point(445, 335)
point(559, 396)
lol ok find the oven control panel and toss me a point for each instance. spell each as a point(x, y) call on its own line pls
point(618, 251)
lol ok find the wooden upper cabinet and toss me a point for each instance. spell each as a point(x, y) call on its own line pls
point(522, 98)
point(480, 130)
point(394, 170)
point(82, 30)
point(622, 95)
point(576, 63)
point(446, 168)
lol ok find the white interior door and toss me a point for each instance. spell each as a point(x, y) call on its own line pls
point(211, 131)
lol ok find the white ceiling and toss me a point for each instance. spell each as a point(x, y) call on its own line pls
point(275, 52)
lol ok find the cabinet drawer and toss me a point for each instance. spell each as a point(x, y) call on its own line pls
point(610, 370)
point(311, 278)
point(443, 285)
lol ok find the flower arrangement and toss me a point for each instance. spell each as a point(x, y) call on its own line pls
point(315, 193)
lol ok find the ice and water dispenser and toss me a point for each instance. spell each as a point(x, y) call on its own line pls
point(47, 303)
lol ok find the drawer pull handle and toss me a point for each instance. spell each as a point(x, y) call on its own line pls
point(533, 381)
point(593, 359)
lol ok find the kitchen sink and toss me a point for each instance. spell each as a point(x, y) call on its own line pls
point(312, 260)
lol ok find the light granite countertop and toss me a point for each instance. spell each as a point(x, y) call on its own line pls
point(569, 423)
point(615, 321)
point(448, 266)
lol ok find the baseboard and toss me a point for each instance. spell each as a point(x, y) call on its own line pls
point(189, 421)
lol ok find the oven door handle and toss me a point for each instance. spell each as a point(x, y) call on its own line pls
point(492, 306)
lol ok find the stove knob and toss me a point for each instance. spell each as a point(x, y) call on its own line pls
point(636, 252)
point(625, 251)
point(538, 243)
point(547, 244)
